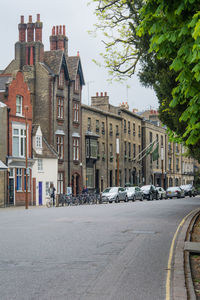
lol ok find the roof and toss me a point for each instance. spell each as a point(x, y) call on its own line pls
point(4, 79)
point(74, 67)
point(3, 166)
point(53, 59)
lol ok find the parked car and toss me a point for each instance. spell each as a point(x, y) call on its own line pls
point(134, 193)
point(116, 194)
point(189, 190)
point(175, 191)
point(161, 193)
point(149, 192)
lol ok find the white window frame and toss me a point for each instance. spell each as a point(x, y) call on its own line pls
point(21, 139)
point(19, 105)
point(40, 165)
point(38, 142)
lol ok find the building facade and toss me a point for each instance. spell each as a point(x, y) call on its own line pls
point(55, 81)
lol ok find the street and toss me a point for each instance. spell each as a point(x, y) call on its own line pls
point(94, 252)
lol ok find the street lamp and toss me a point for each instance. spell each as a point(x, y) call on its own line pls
point(162, 158)
point(117, 152)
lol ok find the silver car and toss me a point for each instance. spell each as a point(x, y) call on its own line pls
point(116, 194)
point(134, 193)
point(175, 191)
point(161, 193)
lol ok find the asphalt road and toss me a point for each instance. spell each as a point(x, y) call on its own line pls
point(94, 252)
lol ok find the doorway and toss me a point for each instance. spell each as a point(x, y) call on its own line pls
point(40, 192)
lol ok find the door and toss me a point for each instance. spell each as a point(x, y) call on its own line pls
point(40, 192)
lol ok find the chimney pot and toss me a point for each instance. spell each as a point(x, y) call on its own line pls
point(38, 17)
point(30, 19)
point(60, 30)
point(97, 94)
point(77, 53)
point(56, 30)
point(53, 30)
point(22, 19)
point(105, 93)
point(63, 29)
point(101, 94)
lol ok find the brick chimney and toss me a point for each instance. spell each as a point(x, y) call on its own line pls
point(22, 30)
point(30, 30)
point(58, 39)
point(38, 29)
point(101, 101)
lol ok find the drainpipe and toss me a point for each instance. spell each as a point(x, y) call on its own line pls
point(8, 153)
point(68, 115)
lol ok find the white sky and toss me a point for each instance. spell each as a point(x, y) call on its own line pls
point(78, 18)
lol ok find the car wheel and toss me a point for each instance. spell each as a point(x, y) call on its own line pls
point(134, 198)
point(161, 197)
point(117, 200)
point(126, 199)
point(150, 197)
point(110, 201)
point(142, 198)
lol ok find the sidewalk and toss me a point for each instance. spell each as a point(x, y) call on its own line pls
point(182, 287)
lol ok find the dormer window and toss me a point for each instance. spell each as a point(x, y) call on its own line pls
point(19, 105)
point(38, 142)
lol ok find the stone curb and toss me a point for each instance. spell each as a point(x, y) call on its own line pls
point(182, 286)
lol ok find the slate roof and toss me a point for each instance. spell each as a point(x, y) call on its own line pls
point(74, 66)
point(53, 59)
point(3, 80)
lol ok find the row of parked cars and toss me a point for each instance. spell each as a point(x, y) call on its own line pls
point(149, 192)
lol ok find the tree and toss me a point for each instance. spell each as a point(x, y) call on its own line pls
point(164, 37)
point(174, 28)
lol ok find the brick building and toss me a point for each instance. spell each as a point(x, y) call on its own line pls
point(103, 125)
point(16, 96)
point(55, 81)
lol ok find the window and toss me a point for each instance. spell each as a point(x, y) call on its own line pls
point(161, 140)
point(19, 179)
point(139, 131)
point(103, 150)
point(170, 163)
point(117, 130)
point(75, 148)
point(129, 127)
point(97, 125)
point(60, 108)
point(60, 182)
point(134, 152)
point(129, 150)
point(61, 79)
point(98, 149)
point(89, 124)
point(19, 105)
point(38, 141)
point(125, 150)
point(124, 125)
point(40, 165)
point(87, 148)
point(111, 150)
point(60, 148)
point(177, 148)
point(93, 148)
point(133, 129)
point(19, 141)
point(150, 137)
point(77, 83)
point(103, 127)
point(139, 150)
point(111, 130)
point(76, 112)
point(177, 164)
point(28, 177)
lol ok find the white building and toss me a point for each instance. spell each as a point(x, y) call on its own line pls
point(45, 169)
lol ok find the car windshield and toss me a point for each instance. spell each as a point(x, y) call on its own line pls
point(185, 187)
point(145, 187)
point(173, 188)
point(111, 190)
point(130, 189)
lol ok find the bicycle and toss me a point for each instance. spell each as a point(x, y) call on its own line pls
point(49, 202)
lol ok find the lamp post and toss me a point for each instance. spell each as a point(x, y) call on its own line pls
point(117, 152)
point(162, 158)
point(26, 150)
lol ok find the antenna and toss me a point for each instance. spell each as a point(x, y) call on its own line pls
point(88, 90)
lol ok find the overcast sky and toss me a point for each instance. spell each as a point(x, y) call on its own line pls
point(78, 18)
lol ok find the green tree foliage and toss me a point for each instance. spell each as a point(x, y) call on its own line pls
point(174, 29)
point(164, 36)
